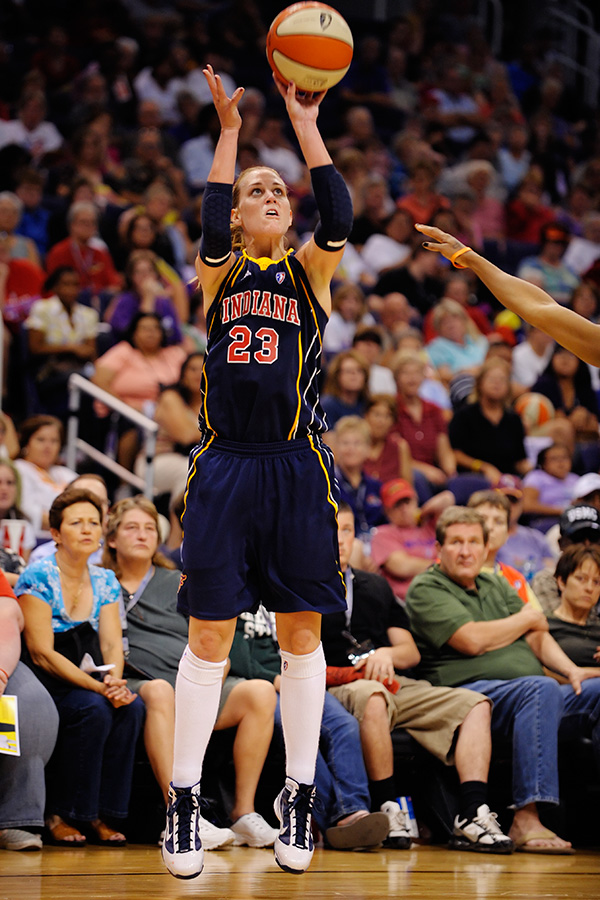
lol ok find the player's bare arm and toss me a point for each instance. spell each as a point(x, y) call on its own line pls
point(571, 330)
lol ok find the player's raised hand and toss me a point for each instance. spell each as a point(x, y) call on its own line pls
point(445, 243)
point(299, 104)
point(227, 107)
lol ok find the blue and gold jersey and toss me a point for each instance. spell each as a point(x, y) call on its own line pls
point(262, 367)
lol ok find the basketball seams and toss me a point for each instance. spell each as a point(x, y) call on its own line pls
point(311, 45)
point(332, 54)
point(309, 25)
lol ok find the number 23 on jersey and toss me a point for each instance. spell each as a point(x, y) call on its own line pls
point(239, 350)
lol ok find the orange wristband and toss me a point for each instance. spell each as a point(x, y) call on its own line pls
point(455, 256)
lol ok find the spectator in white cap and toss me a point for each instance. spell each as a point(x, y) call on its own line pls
point(587, 490)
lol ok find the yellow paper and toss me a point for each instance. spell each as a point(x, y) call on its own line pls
point(9, 725)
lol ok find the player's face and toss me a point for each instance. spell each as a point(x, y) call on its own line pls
point(136, 537)
point(496, 521)
point(462, 554)
point(263, 206)
point(345, 537)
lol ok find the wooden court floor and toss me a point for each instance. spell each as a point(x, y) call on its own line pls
point(424, 873)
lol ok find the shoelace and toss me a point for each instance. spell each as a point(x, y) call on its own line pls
point(399, 821)
point(184, 806)
point(301, 804)
point(489, 823)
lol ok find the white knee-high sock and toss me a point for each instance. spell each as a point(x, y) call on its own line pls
point(302, 696)
point(197, 695)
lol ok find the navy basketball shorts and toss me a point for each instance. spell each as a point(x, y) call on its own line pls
point(260, 526)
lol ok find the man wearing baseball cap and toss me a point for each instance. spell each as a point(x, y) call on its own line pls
point(579, 524)
point(406, 547)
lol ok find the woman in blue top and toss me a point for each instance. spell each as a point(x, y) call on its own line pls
point(261, 499)
point(71, 608)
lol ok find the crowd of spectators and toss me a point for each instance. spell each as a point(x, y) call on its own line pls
point(432, 392)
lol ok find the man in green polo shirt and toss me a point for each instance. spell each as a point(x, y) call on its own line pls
point(473, 630)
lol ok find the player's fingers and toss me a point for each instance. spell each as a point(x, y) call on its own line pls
point(439, 248)
point(281, 85)
point(432, 231)
point(237, 95)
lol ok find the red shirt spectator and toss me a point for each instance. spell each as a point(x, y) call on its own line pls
point(21, 284)
point(526, 214)
point(422, 437)
point(93, 264)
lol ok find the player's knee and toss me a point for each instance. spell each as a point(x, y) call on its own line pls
point(209, 644)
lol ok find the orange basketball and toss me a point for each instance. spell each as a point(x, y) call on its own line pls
point(535, 410)
point(311, 45)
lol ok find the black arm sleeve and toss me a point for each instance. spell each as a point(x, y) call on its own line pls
point(335, 208)
point(215, 243)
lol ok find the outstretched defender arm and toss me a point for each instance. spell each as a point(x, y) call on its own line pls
point(528, 301)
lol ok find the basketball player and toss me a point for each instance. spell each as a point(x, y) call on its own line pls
point(571, 330)
point(260, 502)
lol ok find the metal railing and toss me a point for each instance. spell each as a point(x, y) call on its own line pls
point(491, 20)
point(75, 445)
point(580, 41)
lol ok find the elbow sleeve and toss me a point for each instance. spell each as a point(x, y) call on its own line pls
point(335, 208)
point(215, 244)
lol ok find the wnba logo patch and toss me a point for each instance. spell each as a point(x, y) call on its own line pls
point(285, 665)
point(279, 276)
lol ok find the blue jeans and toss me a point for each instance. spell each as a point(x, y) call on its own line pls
point(534, 712)
point(22, 788)
point(582, 714)
point(341, 778)
point(89, 775)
